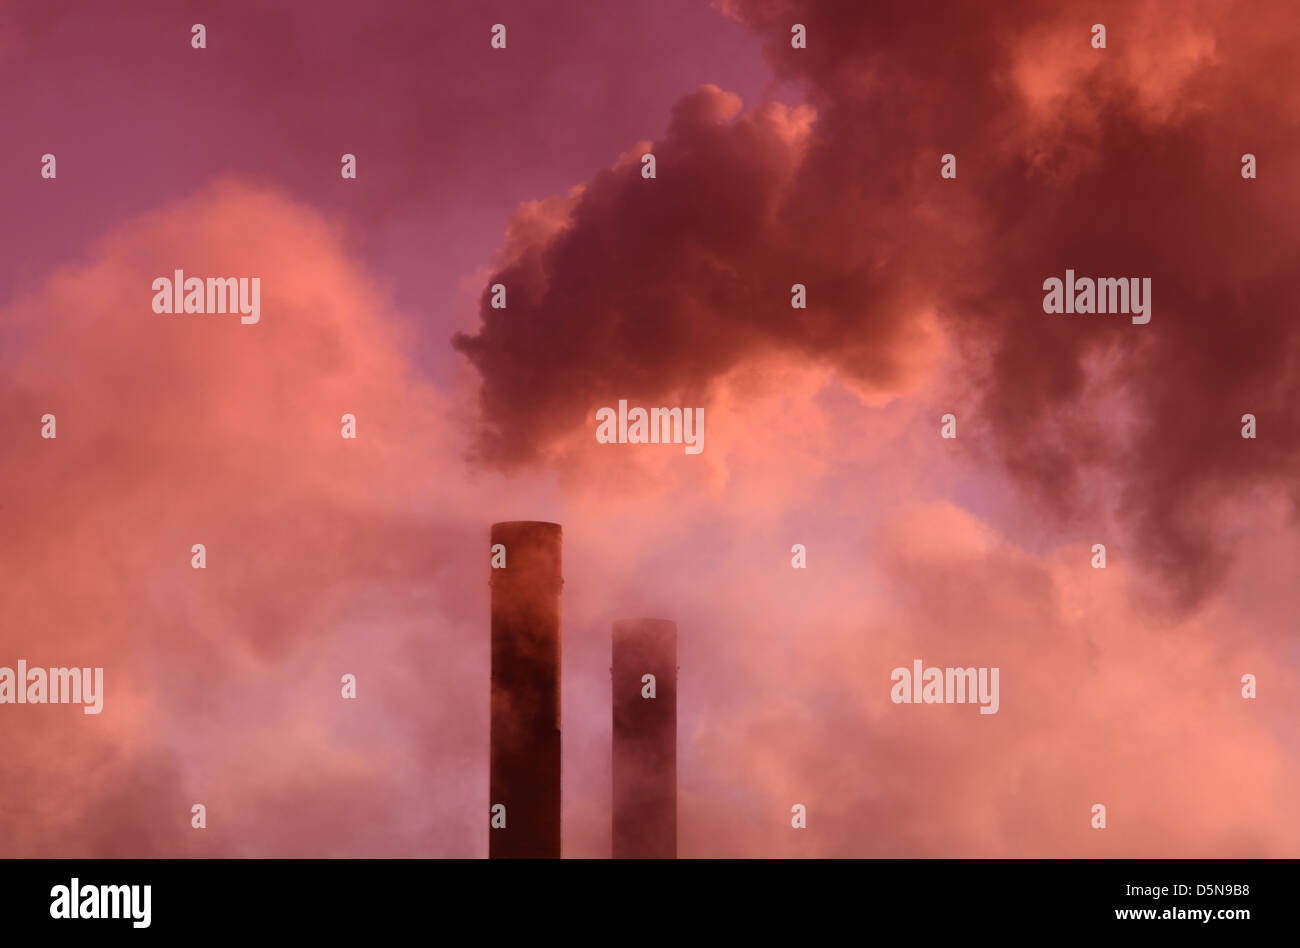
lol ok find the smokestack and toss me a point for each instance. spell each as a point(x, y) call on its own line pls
point(525, 765)
point(645, 739)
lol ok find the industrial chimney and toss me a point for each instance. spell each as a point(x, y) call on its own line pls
point(644, 764)
point(525, 756)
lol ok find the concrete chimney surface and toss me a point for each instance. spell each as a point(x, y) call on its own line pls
point(644, 758)
point(525, 692)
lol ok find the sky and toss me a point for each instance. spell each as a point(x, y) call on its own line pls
point(522, 166)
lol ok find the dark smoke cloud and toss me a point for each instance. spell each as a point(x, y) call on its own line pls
point(1115, 162)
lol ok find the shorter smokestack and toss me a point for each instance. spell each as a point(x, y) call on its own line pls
point(644, 760)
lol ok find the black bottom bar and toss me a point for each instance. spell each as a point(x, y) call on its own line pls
point(861, 899)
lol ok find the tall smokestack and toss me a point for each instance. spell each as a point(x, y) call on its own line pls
point(525, 766)
point(645, 739)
